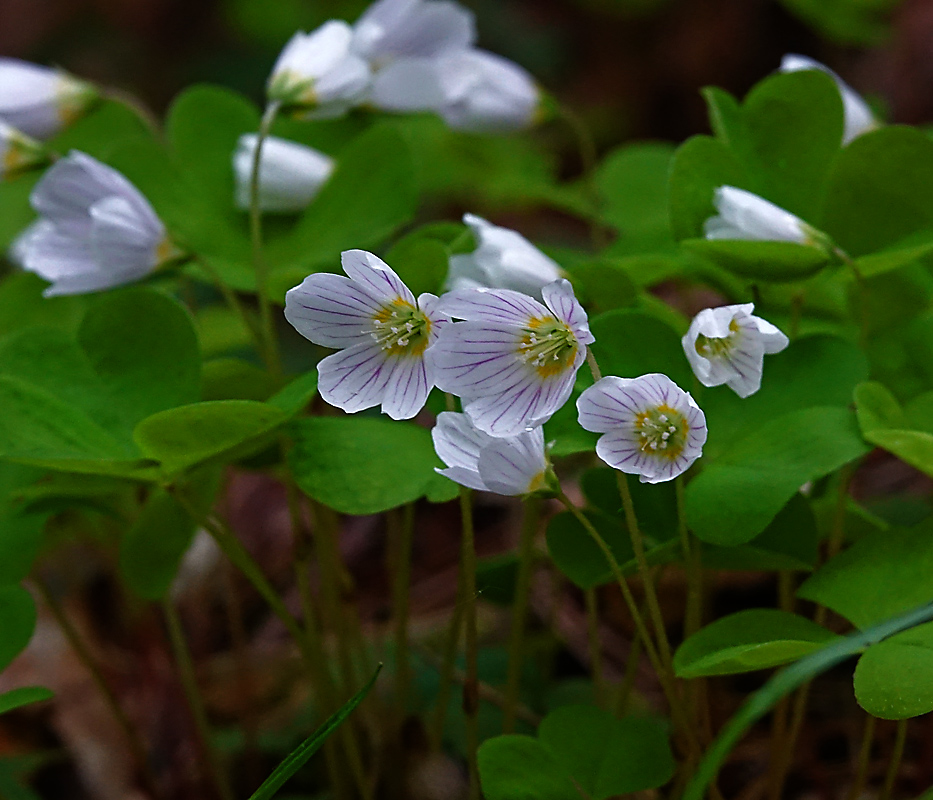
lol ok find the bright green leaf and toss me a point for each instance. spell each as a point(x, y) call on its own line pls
point(765, 261)
point(25, 695)
point(894, 678)
point(521, 768)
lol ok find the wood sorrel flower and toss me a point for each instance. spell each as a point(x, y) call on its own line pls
point(18, 152)
point(383, 334)
point(392, 29)
point(40, 101)
point(514, 360)
point(290, 174)
point(472, 90)
point(651, 426)
point(95, 229)
point(859, 118)
point(513, 465)
point(504, 259)
point(743, 215)
point(727, 345)
point(320, 72)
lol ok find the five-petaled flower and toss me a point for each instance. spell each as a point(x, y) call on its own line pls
point(858, 117)
point(95, 229)
point(320, 72)
point(743, 215)
point(383, 334)
point(290, 174)
point(650, 426)
point(512, 465)
point(40, 101)
point(513, 361)
point(503, 259)
point(727, 345)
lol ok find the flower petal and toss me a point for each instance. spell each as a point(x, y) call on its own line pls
point(511, 466)
point(356, 378)
point(501, 306)
point(377, 277)
point(609, 403)
point(407, 388)
point(457, 441)
point(559, 297)
point(332, 310)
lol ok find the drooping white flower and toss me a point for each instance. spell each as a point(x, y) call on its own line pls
point(859, 118)
point(320, 71)
point(651, 427)
point(95, 230)
point(472, 90)
point(392, 29)
point(727, 345)
point(513, 361)
point(18, 152)
point(513, 465)
point(290, 174)
point(504, 259)
point(382, 332)
point(743, 215)
point(40, 101)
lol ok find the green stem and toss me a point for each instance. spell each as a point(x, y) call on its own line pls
point(233, 302)
point(133, 739)
point(596, 650)
point(693, 560)
point(449, 662)
point(471, 685)
point(532, 515)
point(195, 700)
point(267, 324)
point(894, 764)
point(402, 526)
point(864, 757)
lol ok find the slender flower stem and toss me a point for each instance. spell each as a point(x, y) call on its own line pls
point(532, 514)
point(449, 661)
point(233, 302)
point(664, 677)
point(894, 764)
point(864, 757)
point(403, 525)
point(267, 325)
point(596, 650)
point(471, 685)
point(195, 700)
point(133, 739)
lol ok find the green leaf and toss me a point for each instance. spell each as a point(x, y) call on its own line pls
point(700, 166)
point(362, 465)
point(848, 22)
point(604, 285)
point(785, 682)
point(891, 259)
point(608, 756)
point(25, 695)
point(420, 262)
point(223, 430)
point(880, 190)
point(143, 347)
point(107, 124)
point(617, 352)
point(578, 556)
point(521, 768)
point(912, 447)
point(296, 395)
point(876, 408)
point(154, 544)
point(22, 304)
point(878, 577)
point(748, 640)
point(20, 542)
point(17, 212)
point(766, 261)
point(894, 678)
point(18, 612)
point(300, 755)
point(736, 497)
point(370, 195)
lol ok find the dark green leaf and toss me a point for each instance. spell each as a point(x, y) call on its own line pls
point(18, 612)
point(17, 698)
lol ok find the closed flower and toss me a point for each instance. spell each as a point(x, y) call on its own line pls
point(40, 101)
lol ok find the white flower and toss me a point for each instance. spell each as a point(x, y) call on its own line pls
point(471, 89)
point(382, 332)
point(95, 230)
point(320, 71)
point(40, 101)
point(743, 215)
point(651, 426)
point(18, 152)
point(504, 259)
point(392, 29)
point(858, 116)
point(290, 174)
point(514, 360)
point(514, 465)
point(727, 345)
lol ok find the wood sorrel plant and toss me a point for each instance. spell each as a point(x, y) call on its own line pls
point(130, 410)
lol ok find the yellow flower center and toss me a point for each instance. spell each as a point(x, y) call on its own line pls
point(713, 347)
point(548, 345)
point(662, 431)
point(401, 329)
